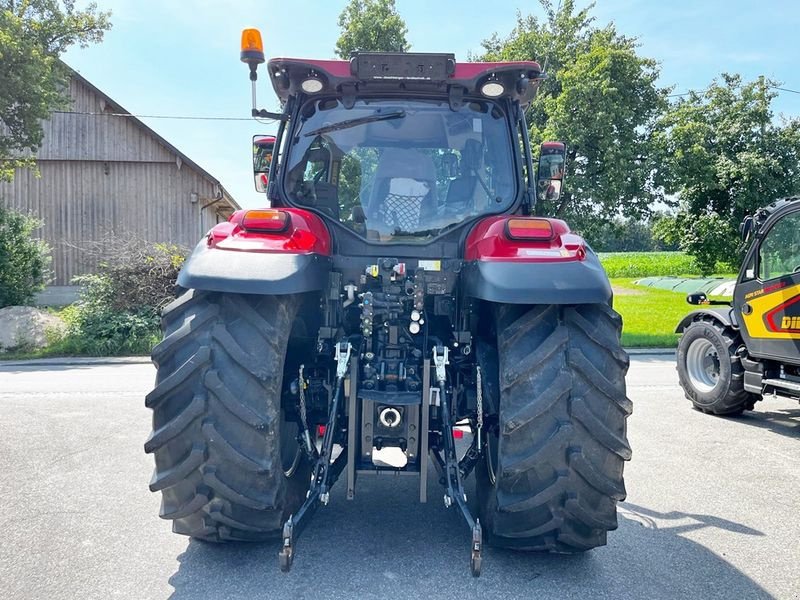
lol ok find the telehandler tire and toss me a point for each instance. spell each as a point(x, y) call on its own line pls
point(553, 470)
point(227, 461)
point(710, 372)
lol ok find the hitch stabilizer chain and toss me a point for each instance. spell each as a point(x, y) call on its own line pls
point(319, 492)
point(455, 488)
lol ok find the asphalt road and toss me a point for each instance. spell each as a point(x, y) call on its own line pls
point(713, 510)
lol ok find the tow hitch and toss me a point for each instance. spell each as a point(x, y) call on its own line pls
point(326, 471)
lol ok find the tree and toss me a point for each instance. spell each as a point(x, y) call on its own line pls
point(724, 154)
point(24, 261)
point(601, 98)
point(33, 82)
point(371, 26)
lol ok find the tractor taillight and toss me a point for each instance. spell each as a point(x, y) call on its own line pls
point(529, 229)
point(523, 239)
point(267, 220)
point(288, 231)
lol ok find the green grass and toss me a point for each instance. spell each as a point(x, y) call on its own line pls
point(649, 315)
point(652, 264)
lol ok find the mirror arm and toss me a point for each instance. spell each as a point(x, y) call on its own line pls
point(529, 201)
point(265, 114)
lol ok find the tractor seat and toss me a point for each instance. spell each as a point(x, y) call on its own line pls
point(461, 192)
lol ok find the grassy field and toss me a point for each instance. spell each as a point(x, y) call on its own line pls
point(650, 315)
point(652, 264)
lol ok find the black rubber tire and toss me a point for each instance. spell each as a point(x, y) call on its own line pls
point(560, 443)
point(728, 396)
point(217, 417)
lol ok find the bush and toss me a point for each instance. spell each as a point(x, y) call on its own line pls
point(118, 310)
point(24, 261)
point(95, 327)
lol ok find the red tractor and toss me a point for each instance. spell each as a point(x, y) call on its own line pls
point(399, 287)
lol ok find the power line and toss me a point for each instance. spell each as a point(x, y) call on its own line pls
point(772, 87)
point(179, 117)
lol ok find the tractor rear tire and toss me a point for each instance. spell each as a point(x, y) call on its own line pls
point(709, 370)
point(217, 420)
point(553, 470)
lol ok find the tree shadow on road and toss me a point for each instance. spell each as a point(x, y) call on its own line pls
point(386, 545)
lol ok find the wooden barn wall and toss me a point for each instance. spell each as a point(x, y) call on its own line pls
point(83, 202)
point(97, 136)
point(103, 175)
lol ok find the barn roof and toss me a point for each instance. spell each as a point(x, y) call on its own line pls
point(223, 196)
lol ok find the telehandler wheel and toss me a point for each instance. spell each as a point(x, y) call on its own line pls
point(553, 473)
point(710, 372)
point(226, 457)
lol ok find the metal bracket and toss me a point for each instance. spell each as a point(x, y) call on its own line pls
point(286, 555)
point(439, 361)
point(343, 350)
point(476, 560)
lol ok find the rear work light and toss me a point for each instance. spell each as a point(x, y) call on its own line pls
point(529, 229)
point(270, 221)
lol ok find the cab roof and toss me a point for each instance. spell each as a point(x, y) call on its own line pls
point(405, 73)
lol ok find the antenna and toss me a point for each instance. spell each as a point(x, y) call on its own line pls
point(550, 50)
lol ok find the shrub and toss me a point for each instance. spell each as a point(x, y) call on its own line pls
point(119, 307)
point(24, 261)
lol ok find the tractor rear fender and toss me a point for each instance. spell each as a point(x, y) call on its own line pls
point(583, 282)
point(724, 315)
point(520, 260)
point(261, 252)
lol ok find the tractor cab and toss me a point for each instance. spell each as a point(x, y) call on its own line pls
point(404, 148)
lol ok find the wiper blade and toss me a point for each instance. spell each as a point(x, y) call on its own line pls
point(398, 114)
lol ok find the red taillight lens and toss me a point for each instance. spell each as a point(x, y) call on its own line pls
point(529, 229)
point(270, 221)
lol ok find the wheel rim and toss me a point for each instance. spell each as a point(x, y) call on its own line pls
point(702, 365)
point(291, 452)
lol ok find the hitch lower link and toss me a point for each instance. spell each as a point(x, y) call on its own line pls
point(321, 482)
point(452, 472)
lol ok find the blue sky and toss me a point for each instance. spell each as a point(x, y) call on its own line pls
point(171, 57)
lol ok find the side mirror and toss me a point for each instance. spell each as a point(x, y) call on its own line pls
point(697, 298)
point(550, 172)
point(745, 227)
point(263, 146)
